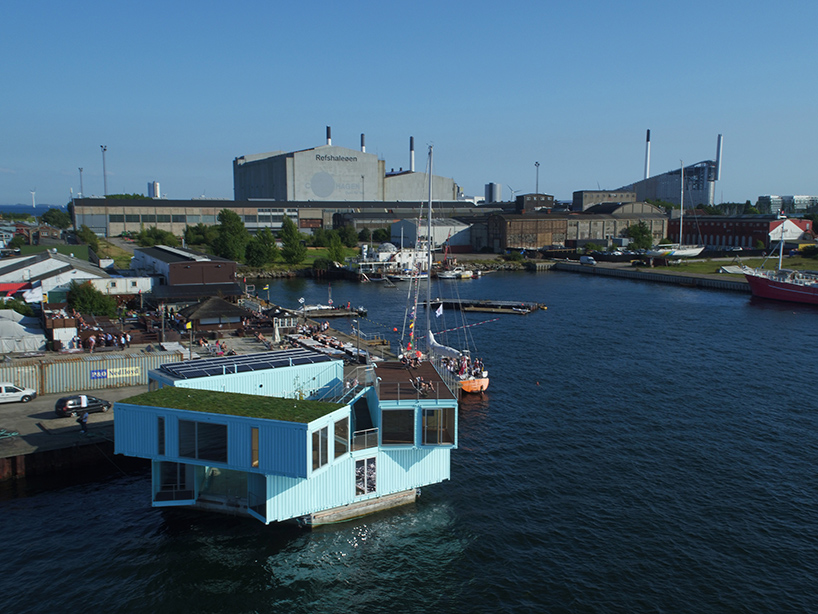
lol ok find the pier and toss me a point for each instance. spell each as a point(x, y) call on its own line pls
point(489, 306)
point(712, 281)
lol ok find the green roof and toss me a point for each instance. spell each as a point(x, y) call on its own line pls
point(234, 404)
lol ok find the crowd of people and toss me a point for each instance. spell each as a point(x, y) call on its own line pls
point(464, 367)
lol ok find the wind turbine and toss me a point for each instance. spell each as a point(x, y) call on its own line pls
point(513, 192)
point(33, 201)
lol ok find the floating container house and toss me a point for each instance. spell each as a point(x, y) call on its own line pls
point(281, 435)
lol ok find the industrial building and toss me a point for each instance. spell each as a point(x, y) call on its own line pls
point(745, 231)
point(332, 173)
point(700, 182)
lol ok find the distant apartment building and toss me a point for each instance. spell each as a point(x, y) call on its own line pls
point(787, 204)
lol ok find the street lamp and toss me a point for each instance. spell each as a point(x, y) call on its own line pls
point(537, 166)
point(104, 148)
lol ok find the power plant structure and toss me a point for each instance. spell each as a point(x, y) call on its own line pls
point(700, 181)
point(333, 173)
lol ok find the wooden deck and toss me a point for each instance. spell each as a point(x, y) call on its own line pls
point(396, 382)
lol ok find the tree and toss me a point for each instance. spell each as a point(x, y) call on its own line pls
point(87, 236)
point(365, 235)
point(382, 235)
point(261, 249)
point(320, 238)
point(19, 306)
point(57, 218)
point(17, 242)
point(348, 236)
point(294, 250)
point(640, 235)
point(148, 237)
point(336, 251)
point(133, 196)
point(86, 299)
point(232, 238)
point(201, 234)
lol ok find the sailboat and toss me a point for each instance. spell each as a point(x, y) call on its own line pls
point(677, 250)
point(454, 365)
point(782, 284)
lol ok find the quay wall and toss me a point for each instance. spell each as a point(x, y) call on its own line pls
point(712, 282)
point(91, 458)
point(85, 372)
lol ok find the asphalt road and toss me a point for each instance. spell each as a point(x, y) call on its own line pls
point(39, 428)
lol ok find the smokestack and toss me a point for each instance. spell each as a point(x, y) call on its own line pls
point(647, 156)
point(329, 135)
point(363, 143)
point(412, 154)
point(718, 158)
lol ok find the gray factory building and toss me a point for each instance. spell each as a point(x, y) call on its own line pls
point(700, 182)
point(332, 173)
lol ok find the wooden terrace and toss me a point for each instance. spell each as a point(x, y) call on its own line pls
point(399, 382)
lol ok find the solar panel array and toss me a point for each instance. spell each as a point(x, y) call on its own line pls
point(242, 363)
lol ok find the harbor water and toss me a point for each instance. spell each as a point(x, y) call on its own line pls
point(642, 448)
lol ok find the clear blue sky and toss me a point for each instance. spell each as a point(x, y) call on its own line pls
point(176, 90)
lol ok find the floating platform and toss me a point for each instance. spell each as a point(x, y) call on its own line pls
point(489, 306)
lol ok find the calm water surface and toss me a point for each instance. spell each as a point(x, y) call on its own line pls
point(642, 449)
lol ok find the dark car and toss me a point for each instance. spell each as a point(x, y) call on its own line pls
point(74, 406)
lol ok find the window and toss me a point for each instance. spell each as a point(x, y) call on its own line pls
point(179, 219)
point(149, 219)
point(133, 284)
point(398, 427)
point(341, 437)
point(192, 219)
point(320, 446)
point(438, 426)
point(132, 218)
point(116, 218)
point(163, 219)
point(365, 476)
point(160, 435)
point(175, 482)
point(254, 446)
point(203, 441)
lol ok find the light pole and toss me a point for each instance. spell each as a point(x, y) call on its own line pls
point(104, 148)
point(80, 182)
point(537, 166)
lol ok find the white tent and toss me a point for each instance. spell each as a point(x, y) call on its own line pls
point(19, 333)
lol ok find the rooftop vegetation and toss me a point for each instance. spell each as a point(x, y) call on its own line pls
point(234, 404)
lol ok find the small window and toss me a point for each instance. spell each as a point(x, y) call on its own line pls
point(254, 446)
point(160, 435)
point(341, 437)
point(398, 427)
point(320, 445)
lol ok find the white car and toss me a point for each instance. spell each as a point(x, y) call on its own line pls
point(9, 393)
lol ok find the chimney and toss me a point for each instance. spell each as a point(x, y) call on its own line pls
point(363, 143)
point(329, 135)
point(647, 156)
point(718, 158)
point(411, 154)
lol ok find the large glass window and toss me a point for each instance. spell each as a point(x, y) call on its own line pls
point(438, 426)
point(341, 437)
point(162, 219)
point(365, 476)
point(320, 448)
point(203, 441)
point(398, 426)
point(130, 217)
point(114, 217)
point(175, 482)
point(149, 218)
point(180, 219)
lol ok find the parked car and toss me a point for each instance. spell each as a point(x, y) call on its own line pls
point(73, 405)
point(9, 393)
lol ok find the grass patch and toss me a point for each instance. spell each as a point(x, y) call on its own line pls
point(712, 266)
point(234, 404)
point(122, 257)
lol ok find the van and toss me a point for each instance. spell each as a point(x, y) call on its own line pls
point(587, 260)
point(9, 393)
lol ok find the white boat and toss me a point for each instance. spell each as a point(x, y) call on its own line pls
point(677, 250)
point(457, 272)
